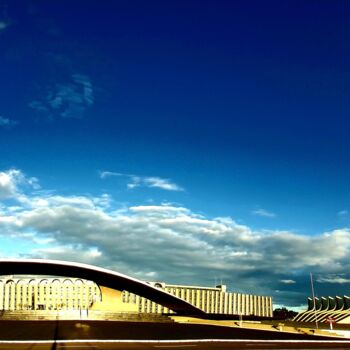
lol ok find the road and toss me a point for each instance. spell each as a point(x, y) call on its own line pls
point(108, 335)
point(172, 345)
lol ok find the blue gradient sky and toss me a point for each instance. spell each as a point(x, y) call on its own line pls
point(234, 109)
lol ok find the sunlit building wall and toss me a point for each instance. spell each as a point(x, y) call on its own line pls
point(211, 300)
point(47, 294)
point(79, 294)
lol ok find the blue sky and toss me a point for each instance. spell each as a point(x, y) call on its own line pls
point(219, 128)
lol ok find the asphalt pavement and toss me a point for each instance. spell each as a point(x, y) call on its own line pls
point(107, 335)
point(196, 345)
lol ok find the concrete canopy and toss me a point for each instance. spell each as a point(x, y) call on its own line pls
point(102, 277)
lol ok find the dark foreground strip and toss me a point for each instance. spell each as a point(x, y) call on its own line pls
point(185, 341)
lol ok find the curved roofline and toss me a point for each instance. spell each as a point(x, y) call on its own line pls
point(99, 275)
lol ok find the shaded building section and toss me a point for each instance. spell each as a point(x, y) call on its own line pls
point(324, 309)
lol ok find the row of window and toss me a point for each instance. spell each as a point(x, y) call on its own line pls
point(47, 294)
point(210, 301)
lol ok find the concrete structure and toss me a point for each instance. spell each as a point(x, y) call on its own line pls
point(111, 283)
point(114, 292)
point(215, 301)
point(325, 308)
point(48, 294)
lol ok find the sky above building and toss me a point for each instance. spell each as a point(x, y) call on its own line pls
point(185, 141)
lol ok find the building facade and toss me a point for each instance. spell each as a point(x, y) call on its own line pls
point(47, 294)
point(324, 309)
point(79, 294)
point(210, 300)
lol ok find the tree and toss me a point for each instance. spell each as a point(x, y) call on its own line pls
point(283, 314)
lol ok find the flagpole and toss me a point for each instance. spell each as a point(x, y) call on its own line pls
point(314, 299)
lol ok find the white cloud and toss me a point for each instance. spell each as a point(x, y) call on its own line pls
point(94, 252)
point(6, 122)
point(343, 213)
point(9, 181)
point(163, 184)
point(163, 209)
point(288, 281)
point(106, 174)
point(3, 25)
point(144, 181)
point(5, 20)
point(7, 184)
point(68, 100)
point(264, 213)
point(333, 279)
point(77, 201)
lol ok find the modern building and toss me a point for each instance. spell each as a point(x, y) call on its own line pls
point(47, 293)
point(115, 292)
point(51, 293)
point(211, 300)
point(326, 309)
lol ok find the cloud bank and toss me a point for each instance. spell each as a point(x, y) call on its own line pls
point(166, 242)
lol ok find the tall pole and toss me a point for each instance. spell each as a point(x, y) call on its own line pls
point(313, 298)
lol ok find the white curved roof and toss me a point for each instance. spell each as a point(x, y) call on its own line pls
point(101, 276)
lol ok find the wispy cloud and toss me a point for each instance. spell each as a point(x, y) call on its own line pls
point(6, 122)
point(5, 21)
point(69, 100)
point(264, 213)
point(333, 279)
point(287, 281)
point(3, 25)
point(106, 174)
point(144, 181)
point(343, 213)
